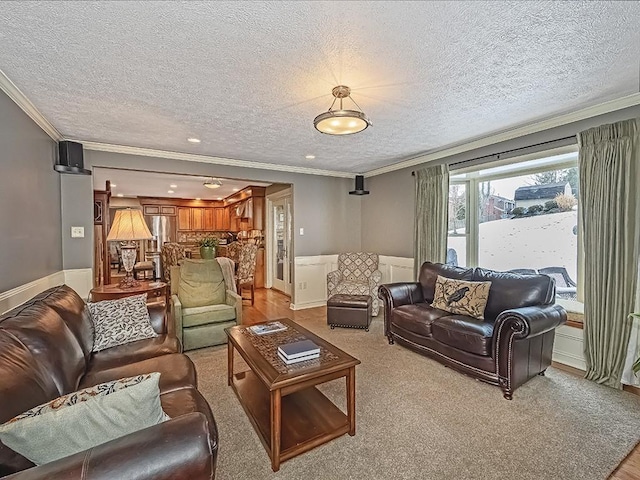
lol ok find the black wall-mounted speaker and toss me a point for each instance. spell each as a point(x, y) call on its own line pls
point(71, 158)
point(359, 186)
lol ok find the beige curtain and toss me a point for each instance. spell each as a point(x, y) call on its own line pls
point(431, 215)
point(609, 164)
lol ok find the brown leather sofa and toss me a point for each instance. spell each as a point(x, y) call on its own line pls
point(45, 352)
point(514, 342)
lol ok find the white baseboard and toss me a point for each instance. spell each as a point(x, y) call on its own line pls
point(303, 306)
point(17, 296)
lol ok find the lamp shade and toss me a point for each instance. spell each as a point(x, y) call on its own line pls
point(127, 225)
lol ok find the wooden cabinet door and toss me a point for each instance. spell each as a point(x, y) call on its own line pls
point(197, 219)
point(152, 210)
point(184, 218)
point(258, 213)
point(209, 220)
point(219, 214)
point(168, 210)
point(226, 220)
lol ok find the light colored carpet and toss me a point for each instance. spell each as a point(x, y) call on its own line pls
point(417, 419)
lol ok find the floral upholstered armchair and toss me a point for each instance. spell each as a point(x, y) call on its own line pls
point(357, 274)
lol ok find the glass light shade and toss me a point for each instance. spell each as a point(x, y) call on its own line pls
point(213, 184)
point(341, 122)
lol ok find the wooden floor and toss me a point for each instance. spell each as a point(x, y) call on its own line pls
point(270, 304)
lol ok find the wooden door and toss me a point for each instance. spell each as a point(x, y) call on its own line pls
point(184, 218)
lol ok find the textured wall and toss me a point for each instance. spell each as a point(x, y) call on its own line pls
point(321, 205)
point(30, 240)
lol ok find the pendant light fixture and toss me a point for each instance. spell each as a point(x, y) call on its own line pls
point(341, 122)
point(212, 183)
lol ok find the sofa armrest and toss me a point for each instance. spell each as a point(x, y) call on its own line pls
point(514, 334)
point(397, 294)
point(333, 279)
point(176, 308)
point(528, 321)
point(235, 300)
point(176, 449)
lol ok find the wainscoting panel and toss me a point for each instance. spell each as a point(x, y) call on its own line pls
point(568, 347)
point(81, 280)
point(17, 296)
point(311, 277)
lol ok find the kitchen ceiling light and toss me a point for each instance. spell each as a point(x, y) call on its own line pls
point(120, 195)
point(341, 122)
point(113, 185)
point(193, 140)
point(170, 191)
point(173, 186)
point(212, 183)
point(310, 157)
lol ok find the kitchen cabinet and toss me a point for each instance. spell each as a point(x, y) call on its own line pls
point(222, 221)
point(209, 220)
point(257, 218)
point(159, 210)
point(197, 219)
point(184, 218)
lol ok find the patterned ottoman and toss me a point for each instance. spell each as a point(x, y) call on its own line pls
point(353, 311)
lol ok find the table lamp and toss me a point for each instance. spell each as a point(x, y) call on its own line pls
point(128, 226)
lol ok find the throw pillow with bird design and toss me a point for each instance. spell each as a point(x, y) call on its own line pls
point(461, 297)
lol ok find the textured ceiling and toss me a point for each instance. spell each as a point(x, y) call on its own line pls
point(249, 77)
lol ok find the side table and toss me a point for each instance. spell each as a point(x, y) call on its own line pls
point(155, 291)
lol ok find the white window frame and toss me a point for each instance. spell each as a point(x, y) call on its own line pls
point(471, 179)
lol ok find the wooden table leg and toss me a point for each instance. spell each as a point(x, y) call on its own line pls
point(276, 413)
point(229, 362)
point(351, 400)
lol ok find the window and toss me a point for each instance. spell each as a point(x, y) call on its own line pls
point(522, 216)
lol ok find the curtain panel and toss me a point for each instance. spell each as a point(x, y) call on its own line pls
point(431, 216)
point(609, 166)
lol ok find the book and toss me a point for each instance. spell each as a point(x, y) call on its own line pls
point(304, 358)
point(270, 327)
point(298, 349)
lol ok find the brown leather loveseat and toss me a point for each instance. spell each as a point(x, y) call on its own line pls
point(45, 352)
point(512, 344)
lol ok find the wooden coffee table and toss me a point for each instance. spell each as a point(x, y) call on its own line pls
point(290, 415)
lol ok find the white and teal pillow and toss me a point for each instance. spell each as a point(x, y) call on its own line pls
point(81, 420)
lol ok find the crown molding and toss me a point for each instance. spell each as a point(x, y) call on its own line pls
point(557, 121)
point(20, 99)
point(190, 157)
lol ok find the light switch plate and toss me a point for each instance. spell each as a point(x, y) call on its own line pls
point(301, 231)
point(77, 232)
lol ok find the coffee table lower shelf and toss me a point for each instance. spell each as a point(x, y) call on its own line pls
point(308, 417)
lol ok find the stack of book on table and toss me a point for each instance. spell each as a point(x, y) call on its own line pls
point(298, 351)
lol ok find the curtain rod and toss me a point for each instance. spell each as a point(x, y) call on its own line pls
point(497, 155)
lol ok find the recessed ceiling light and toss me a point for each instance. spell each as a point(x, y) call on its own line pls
point(173, 186)
point(170, 191)
point(310, 157)
point(219, 198)
point(236, 189)
point(114, 185)
point(193, 140)
point(120, 195)
point(198, 198)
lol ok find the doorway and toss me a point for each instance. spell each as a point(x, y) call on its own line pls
point(279, 245)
